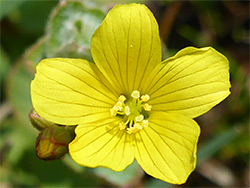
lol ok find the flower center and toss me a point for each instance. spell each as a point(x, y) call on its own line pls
point(134, 111)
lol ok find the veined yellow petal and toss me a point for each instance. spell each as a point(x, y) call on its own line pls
point(70, 91)
point(102, 144)
point(190, 83)
point(166, 149)
point(126, 46)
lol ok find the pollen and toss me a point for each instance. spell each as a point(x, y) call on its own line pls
point(139, 118)
point(122, 98)
point(147, 107)
point(127, 110)
point(122, 125)
point(137, 127)
point(113, 112)
point(135, 94)
point(119, 105)
point(145, 98)
point(144, 123)
point(134, 112)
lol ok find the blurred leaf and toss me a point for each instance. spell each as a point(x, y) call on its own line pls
point(35, 54)
point(24, 25)
point(31, 16)
point(213, 145)
point(73, 165)
point(204, 5)
point(17, 138)
point(193, 35)
point(239, 147)
point(70, 29)
point(14, 41)
point(6, 6)
point(4, 65)
point(215, 22)
point(104, 5)
point(122, 178)
point(18, 91)
point(21, 168)
point(54, 173)
point(157, 184)
point(18, 83)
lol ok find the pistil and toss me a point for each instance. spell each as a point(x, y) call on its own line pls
point(134, 110)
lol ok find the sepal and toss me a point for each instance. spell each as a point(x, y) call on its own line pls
point(38, 122)
point(52, 142)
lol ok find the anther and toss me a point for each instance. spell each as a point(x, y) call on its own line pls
point(132, 111)
point(119, 105)
point(144, 123)
point(130, 130)
point(137, 126)
point(113, 112)
point(122, 98)
point(122, 125)
point(127, 110)
point(147, 107)
point(135, 94)
point(139, 118)
point(145, 98)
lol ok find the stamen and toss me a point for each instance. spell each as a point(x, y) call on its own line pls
point(130, 130)
point(147, 107)
point(115, 107)
point(127, 110)
point(119, 105)
point(122, 98)
point(132, 112)
point(122, 125)
point(113, 112)
point(135, 94)
point(139, 118)
point(144, 123)
point(145, 98)
point(137, 126)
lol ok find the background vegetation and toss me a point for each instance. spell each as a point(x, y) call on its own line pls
point(33, 30)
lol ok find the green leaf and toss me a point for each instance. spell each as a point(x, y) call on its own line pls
point(31, 16)
point(4, 64)
point(18, 91)
point(19, 78)
point(35, 54)
point(208, 149)
point(70, 29)
point(16, 138)
point(157, 183)
point(125, 177)
point(54, 173)
point(20, 167)
point(6, 6)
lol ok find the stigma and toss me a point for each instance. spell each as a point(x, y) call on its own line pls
point(134, 111)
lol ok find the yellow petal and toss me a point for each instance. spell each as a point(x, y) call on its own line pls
point(102, 144)
point(190, 83)
point(126, 46)
point(70, 91)
point(166, 149)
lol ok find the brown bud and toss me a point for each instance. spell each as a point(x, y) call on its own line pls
point(39, 122)
point(52, 142)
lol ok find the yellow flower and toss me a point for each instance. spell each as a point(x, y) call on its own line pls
point(130, 105)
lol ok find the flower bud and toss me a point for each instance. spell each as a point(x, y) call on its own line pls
point(52, 142)
point(39, 122)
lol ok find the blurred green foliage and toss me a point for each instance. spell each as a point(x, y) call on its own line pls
point(69, 30)
point(33, 30)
